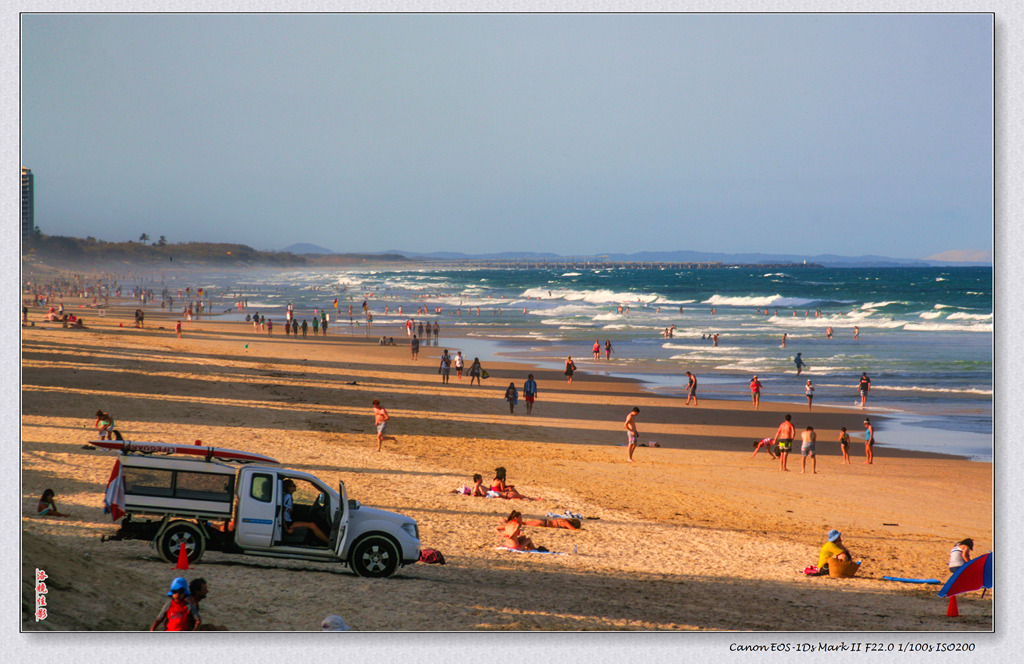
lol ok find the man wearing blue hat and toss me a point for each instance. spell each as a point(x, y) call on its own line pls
point(178, 612)
point(833, 547)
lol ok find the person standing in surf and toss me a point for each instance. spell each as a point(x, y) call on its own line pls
point(864, 386)
point(799, 362)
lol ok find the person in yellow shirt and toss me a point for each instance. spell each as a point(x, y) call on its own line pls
point(833, 547)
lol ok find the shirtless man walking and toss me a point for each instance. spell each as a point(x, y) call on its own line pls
point(784, 438)
point(380, 419)
point(691, 389)
point(632, 435)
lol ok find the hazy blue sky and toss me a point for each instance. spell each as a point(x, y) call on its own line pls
point(575, 134)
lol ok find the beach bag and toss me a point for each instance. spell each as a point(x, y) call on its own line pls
point(484, 374)
point(431, 557)
point(842, 569)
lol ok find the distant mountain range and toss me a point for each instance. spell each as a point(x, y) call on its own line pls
point(945, 259)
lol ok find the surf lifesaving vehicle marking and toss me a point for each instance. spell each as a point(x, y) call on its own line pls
point(222, 453)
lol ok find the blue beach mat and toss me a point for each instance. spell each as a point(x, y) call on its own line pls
point(903, 580)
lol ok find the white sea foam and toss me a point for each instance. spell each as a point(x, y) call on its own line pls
point(601, 296)
point(572, 274)
point(947, 327)
point(758, 301)
point(880, 305)
point(963, 316)
point(929, 314)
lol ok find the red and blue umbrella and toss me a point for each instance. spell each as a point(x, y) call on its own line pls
point(973, 575)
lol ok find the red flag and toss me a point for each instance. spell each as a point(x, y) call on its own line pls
point(114, 500)
point(335, 303)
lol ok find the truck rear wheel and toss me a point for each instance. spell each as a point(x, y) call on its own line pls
point(375, 556)
point(177, 535)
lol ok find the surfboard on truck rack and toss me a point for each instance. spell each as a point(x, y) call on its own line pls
point(208, 453)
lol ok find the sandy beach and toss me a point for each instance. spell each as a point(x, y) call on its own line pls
point(695, 535)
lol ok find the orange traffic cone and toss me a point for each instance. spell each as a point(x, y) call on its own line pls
point(182, 557)
point(951, 611)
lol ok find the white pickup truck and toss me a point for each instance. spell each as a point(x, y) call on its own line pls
point(205, 503)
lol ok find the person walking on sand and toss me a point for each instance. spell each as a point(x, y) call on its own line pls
point(869, 441)
point(799, 362)
point(844, 444)
point(414, 345)
point(177, 329)
point(809, 393)
point(459, 362)
point(512, 397)
point(807, 438)
point(597, 349)
point(529, 393)
point(380, 419)
point(570, 368)
point(691, 389)
point(446, 366)
point(632, 435)
point(784, 439)
point(475, 370)
point(864, 386)
point(607, 349)
point(755, 392)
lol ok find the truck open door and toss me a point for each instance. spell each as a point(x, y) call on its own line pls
point(339, 526)
point(258, 508)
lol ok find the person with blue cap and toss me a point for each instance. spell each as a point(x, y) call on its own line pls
point(833, 547)
point(179, 613)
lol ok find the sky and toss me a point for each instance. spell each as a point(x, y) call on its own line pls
point(576, 134)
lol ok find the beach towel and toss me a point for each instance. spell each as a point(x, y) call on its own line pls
point(508, 548)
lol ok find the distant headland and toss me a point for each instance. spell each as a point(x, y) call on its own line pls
point(72, 252)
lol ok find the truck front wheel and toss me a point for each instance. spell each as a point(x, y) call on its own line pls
point(177, 535)
point(374, 556)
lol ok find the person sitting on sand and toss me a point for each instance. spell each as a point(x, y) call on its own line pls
point(960, 554)
point(47, 506)
point(833, 547)
point(513, 537)
point(478, 486)
point(507, 491)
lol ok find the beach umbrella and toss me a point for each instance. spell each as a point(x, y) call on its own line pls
point(974, 575)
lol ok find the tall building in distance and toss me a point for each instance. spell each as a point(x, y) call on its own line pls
point(28, 217)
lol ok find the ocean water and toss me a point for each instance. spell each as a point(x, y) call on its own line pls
point(925, 333)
